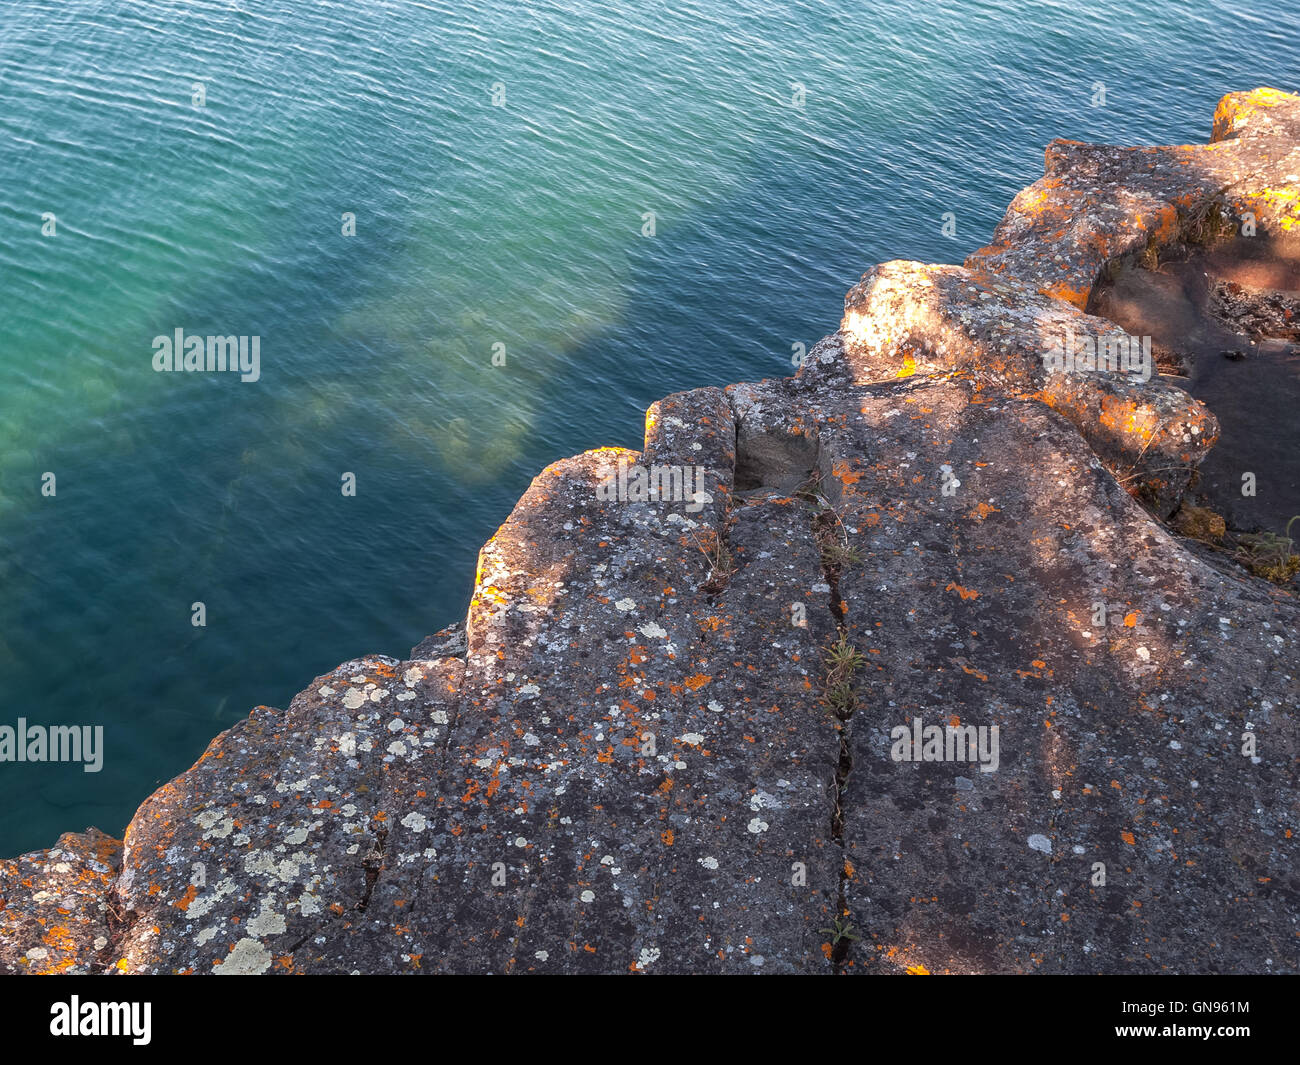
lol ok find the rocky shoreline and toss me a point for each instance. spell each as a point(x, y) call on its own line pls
point(666, 737)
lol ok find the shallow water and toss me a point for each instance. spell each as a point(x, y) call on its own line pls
point(476, 225)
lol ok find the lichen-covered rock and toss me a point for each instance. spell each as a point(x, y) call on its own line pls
point(54, 906)
point(1264, 127)
point(675, 731)
point(1096, 204)
point(1141, 812)
point(908, 318)
point(269, 849)
point(1257, 114)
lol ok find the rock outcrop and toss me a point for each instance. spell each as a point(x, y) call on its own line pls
point(668, 737)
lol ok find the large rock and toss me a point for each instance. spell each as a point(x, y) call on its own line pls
point(55, 906)
point(1097, 204)
point(912, 318)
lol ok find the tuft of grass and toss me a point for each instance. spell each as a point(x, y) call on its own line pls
point(1270, 556)
point(1208, 225)
point(835, 549)
point(836, 555)
point(843, 660)
point(716, 553)
point(840, 696)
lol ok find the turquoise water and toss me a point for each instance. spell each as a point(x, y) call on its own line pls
point(476, 225)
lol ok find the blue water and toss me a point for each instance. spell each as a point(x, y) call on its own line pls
point(476, 225)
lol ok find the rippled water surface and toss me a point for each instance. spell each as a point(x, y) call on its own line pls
point(476, 225)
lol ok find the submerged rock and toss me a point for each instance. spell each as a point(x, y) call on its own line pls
point(890, 644)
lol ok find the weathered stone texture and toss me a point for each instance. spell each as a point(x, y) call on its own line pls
point(1096, 204)
point(54, 906)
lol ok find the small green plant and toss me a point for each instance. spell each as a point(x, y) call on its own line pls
point(1208, 224)
point(836, 555)
point(840, 929)
point(840, 696)
point(1270, 556)
point(832, 537)
point(843, 658)
point(714, 549)
point(836, 551)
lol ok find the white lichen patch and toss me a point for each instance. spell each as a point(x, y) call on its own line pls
point(201, 906)
point(267, 922)
point(247, 959)
point(286, 870)
point(211, 819)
